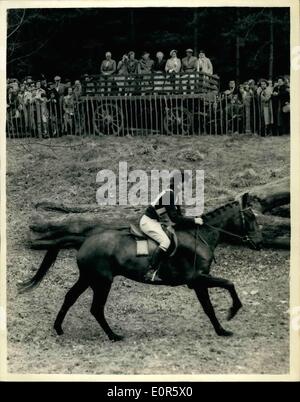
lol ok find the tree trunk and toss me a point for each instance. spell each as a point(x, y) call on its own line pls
point(237, 52)
point(195, 24)
point(271, 54)
point(266, 197)
point(60, 225)
point(132, 28)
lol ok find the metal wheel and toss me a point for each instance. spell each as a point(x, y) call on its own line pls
point(108, 119)
point(178, 121)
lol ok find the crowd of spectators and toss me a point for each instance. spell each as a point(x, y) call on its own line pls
point(40, 102)
point(42, 105)
point(267, 101)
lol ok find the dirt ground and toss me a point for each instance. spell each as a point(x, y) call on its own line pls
point(166, 331)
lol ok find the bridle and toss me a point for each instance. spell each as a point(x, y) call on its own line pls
point(245, 238)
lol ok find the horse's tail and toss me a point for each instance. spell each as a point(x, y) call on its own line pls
point(46, 264)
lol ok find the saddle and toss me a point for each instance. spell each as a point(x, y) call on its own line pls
point(145, 245)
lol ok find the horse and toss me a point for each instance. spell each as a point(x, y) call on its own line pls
point(111, 252)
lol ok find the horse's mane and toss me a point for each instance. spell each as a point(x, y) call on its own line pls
point(219, 210)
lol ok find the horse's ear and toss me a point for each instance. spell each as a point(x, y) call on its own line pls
point(245, 198)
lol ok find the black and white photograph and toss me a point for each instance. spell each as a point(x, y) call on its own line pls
point(147, 173)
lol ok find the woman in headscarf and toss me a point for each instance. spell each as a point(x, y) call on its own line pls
point(265, 108)
point(173, 66)
point(159, 72)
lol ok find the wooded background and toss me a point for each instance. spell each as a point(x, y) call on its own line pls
point(242, 43)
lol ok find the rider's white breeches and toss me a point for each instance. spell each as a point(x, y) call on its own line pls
point(153, 229)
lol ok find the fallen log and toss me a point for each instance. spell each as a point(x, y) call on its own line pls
point(72, 229)
point(266, 197)
point(275, 231)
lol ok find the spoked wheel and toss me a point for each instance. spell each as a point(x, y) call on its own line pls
point(178, 121)
point(108, 119)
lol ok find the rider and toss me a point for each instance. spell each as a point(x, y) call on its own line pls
point(164, 209)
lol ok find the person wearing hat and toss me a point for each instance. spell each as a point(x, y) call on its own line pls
point(69, 112)
point(107, 69)
point(145, 64)
point(204, 64)
point(15, 84)
point(189, 66)
point(189, 63)
point(58, 86)
point(108, 66)
point(29, 79)
point(132, 68)
point(232, 90)
point(173, 66)
point(265, 107)
point(145, 68)
point(77, 89)
point(132, 63)
point(122, 73)
point(281, 102)
point(39, 89)
point(159, 71)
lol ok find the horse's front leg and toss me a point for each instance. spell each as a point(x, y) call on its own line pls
point(214, 282)
point(204, 299)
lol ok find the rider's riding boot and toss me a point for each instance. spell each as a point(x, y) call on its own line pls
point(152, 273)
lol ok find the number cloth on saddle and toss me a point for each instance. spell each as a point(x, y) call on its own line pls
point(143, 242)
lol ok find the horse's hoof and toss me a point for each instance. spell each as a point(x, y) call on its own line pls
point(116, 338)
point(59, 330)
point(223, 332)
point(232, 311)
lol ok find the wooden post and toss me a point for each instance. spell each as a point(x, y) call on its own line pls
point(271, 54)
point(237, 53)
point(195, 24)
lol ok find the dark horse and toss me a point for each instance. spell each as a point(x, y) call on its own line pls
point(110, 253)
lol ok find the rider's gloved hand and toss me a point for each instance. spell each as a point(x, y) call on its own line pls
point(199, 221)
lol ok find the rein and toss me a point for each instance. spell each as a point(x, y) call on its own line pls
point(225, 231)
point(244, 238)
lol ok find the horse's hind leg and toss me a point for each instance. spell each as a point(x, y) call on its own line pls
point(204, 299)
point(80, 286)
point(101, 290)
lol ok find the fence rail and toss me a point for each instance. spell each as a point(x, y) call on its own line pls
point(159, 83)
point(172, 104)
point(192, 114)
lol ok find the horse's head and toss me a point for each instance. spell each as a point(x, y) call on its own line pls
point(247, 225)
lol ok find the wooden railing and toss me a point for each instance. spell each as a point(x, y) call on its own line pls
point(159, 83)
point(147, 114)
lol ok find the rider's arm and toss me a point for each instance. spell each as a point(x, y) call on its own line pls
point(175, 214)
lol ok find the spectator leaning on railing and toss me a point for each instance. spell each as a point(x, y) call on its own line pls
point(264, 106)
point(122, 72)
point(281, 104)
point(204, 64)
point(58, 86)
point(107, 70)
point(173, 66)
point(69, 112)
point(145, 68)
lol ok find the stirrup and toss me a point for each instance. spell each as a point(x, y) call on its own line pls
point(152, 276)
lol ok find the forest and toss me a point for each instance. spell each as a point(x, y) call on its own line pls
point(242, 42)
